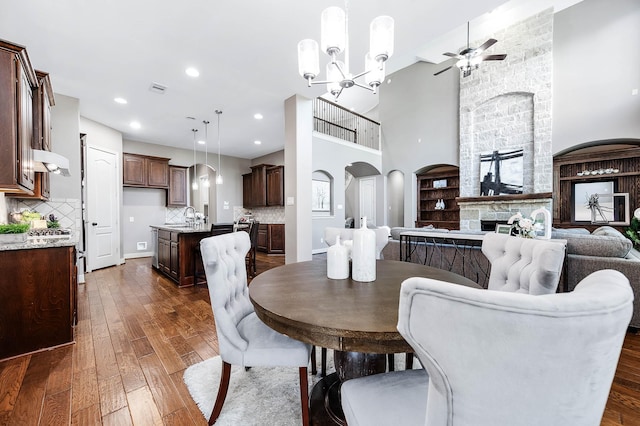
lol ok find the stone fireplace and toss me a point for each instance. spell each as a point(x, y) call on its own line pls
point(507, 105)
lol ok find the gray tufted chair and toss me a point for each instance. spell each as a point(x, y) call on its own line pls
point(523, 265)
point(243, 339)
point(498, 358)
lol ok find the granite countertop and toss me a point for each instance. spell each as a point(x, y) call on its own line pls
point(180, 228)
point(30, 244)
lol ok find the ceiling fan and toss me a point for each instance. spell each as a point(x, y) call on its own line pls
point(470, 58)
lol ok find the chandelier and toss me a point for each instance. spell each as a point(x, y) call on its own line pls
point(334, 39)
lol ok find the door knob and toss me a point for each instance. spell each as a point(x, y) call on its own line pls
point(95, 224)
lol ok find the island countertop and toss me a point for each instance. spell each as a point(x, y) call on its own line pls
point(36, 244)
point(181, 228)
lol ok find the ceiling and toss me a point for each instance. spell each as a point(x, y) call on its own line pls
point(245, 51)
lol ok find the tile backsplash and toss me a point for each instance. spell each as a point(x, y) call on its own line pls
point(66, 210)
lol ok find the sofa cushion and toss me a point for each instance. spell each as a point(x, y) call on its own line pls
point(603, 242)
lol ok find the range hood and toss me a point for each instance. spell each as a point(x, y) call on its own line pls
point(45, 161)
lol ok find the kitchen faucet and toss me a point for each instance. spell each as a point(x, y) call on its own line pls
point(190, 219)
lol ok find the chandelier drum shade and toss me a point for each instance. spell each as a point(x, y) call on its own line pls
point(334, 40)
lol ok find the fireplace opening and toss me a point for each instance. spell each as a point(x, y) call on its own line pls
point(490, 225)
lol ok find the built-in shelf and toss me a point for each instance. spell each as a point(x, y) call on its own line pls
point(429, 192)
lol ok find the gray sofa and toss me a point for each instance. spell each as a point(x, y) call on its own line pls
point(605, 248)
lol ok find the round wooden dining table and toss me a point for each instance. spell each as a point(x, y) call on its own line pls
point(356, 319)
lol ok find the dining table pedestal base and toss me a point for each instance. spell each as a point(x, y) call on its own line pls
point(325, 406)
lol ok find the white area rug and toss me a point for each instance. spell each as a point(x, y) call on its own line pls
point(260, 396)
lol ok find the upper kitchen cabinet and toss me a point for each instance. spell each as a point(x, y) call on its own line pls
point(247, 195)
point(145, 171)
point(177, 193)
point(43, 100)
point(259, 185)
point(264, 186)
point(17, 80)
point(275, 186)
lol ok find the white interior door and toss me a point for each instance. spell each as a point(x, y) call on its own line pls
point(103, 235)
point(368, 199)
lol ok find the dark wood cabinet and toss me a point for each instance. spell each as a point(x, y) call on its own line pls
point(43, 100)
point(439, 184)
point(262, 243)
point(263, 187)
point(247, 194)
point(17, 80)
point(176, 254)
point(259, 185)
point(145, 171)
point(619, 164)
point(38, 305)
point(275, 186)
point(271, 238)
point(276, 239)
point(177, 193)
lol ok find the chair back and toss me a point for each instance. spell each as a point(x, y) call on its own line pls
point(221, 228)
point(498, 358)
point(523, 265)
point(253, 234)
point(223, 257)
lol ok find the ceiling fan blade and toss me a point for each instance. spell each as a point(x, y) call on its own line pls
point(487, 44)
point(443, 70)
point(453, 55)
point(498, 57)
point(465, 51)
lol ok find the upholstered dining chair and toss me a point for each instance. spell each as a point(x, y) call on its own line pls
point(199, 276)
point(499, 358)
point(243, 339)
point(523, 265)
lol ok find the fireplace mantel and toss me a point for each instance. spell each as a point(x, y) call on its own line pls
point(505, 197)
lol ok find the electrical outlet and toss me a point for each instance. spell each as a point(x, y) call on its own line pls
point(141, 245)
point(322, 240)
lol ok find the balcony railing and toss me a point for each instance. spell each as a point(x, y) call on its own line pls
point(334, 120)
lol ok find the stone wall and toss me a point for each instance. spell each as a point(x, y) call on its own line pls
point(507, 105)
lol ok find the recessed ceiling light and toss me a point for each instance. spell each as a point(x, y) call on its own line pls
point(201, 142)
point(257, 116)
point(120, 100)
point(257, 142)
point(192, 72)
point(135, 125)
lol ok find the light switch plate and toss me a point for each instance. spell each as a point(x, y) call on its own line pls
point(290, 201)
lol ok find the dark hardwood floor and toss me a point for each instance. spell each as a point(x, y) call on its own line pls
point(137, 333)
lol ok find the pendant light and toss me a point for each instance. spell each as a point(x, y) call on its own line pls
point(219, 180)
point(194, 184)
point(206, 154)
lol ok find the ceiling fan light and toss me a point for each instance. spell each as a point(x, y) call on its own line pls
point(381, 38)
point(333, 36)
point(475, 61)
point(308, 61)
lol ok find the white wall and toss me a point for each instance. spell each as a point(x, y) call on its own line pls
point(65, 140)
point(419, 116)
point(332, 155)
point(596, 54)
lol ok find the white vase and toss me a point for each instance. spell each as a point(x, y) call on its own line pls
point(338, 261)
point(363, 254)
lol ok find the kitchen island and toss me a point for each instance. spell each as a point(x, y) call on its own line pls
point(175, 252)
point(38, 302)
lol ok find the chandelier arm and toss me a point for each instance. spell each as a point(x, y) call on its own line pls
point(337, 64)
point(363, 86)
point(360, 75)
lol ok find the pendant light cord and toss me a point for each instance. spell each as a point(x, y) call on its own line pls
point(219, 179)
